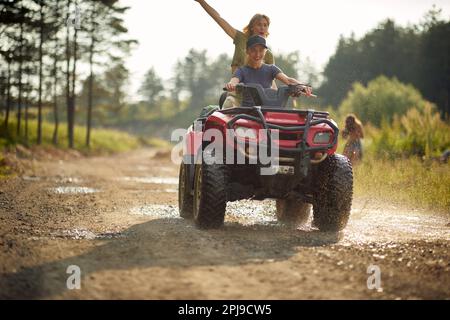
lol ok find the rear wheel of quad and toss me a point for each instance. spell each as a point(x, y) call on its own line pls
point(333, 193)
point(293, 211)
point(185, 198)
point(210, 197)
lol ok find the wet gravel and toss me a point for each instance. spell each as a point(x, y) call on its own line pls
point(117, 217)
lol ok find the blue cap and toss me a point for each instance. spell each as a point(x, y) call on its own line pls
point(254, 40)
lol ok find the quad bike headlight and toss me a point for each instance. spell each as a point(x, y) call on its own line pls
point(244, 132)
point(322, 137)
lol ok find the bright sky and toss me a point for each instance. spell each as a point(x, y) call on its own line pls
point(167, 29)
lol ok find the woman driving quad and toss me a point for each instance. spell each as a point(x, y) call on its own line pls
point(257, 72)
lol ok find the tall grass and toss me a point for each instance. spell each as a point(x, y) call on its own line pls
point(412, 181)
point(102, 140)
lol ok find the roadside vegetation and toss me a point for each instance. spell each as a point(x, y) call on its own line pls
point(404, 141)
point(102, 140)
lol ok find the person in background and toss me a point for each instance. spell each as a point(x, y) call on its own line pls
point(353, 132)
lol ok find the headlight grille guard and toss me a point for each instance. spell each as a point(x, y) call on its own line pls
point(310, 114)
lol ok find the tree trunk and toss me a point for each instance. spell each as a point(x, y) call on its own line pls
point(8, 94)
point(19, 99)
point(55, 94)
point(26, 102)
point(89, 114)
point(41, 40)
point(91, 81)
point(55, 83)
point(69, 128)
point(72, 99)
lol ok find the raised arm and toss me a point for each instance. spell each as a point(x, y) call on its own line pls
point(229, 30)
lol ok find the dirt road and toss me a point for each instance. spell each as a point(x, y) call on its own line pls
point(116, 219)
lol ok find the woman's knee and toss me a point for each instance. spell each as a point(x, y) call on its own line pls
point(230, 102)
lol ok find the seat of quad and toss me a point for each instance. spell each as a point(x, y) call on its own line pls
point(266, 97)
point(208, 110)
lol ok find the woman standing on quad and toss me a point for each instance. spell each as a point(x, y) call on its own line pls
point(354, 132)
point(258, 25)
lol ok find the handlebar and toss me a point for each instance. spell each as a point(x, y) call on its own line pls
point(295, 90)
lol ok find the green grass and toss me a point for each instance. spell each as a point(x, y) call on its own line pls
point(405, 181)
point(102, 140)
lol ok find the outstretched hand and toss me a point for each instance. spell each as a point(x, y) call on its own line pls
point(301, 90)
point(307, 91)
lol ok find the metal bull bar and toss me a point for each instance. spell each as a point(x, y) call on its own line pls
point(310, 114)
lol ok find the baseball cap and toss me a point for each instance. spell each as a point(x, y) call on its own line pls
point(254, 40)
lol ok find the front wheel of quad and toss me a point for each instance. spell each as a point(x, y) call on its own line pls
point(185, 198)
point(333, 193)
point(210, 197)
point(293, 211)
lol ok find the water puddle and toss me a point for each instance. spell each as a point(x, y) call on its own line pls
point(163, 191)
point(164, 169)
point(62, 180)
point(155, 168)
point(155, 180)
point(65, 180)
point(156, 211)
point(85, 234)
point(73, 190)
point(31, 178)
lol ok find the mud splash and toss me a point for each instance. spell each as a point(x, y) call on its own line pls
point(251, 212)
point(385, 225)
point(245, 212)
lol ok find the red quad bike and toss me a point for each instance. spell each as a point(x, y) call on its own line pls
point(308, 172)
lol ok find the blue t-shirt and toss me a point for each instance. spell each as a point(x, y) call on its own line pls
point(263, 76)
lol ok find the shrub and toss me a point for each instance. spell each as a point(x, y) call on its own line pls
point(381, 100)
point(417, 133)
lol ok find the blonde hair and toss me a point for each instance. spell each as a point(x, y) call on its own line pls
point(248, 28)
